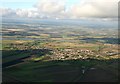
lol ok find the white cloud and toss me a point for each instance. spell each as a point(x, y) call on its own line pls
point(7, 12)
point(95, 8)
point(26, 13)
point(57, 9)
point(51, 6)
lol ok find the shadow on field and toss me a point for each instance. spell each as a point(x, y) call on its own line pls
point(87, 70)
point(11, 57)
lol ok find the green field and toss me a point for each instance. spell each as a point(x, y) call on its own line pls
point(59, 54)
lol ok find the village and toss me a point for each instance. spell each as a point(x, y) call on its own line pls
point(68, 54)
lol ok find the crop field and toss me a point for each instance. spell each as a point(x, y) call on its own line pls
point(61, 53)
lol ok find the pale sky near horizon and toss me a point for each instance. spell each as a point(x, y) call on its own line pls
point(73, 9)
point(14, 4)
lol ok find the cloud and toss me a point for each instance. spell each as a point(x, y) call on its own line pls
point(7, 12)
point(57, 9)
point(51, 6)
point(83, 9)
point(95, 8)
point(27, 13)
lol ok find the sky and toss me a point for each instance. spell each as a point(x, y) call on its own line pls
point(14, 4)
point(60, 9)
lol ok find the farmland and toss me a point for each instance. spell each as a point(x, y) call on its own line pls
point(59, 52)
